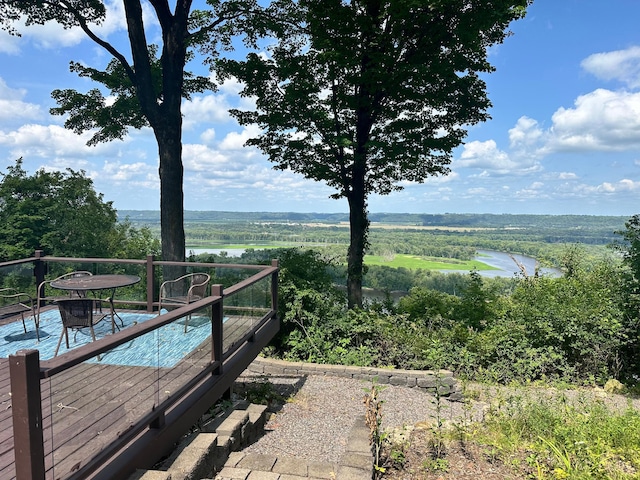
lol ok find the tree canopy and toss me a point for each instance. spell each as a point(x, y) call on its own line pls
point(142, 87)
point(61, 213)
point(367, 94)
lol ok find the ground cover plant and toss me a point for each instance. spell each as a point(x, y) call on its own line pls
point(524, 433)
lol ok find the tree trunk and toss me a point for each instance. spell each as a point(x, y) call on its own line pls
point(359, 227)
point(171, 194)
point(169, 138)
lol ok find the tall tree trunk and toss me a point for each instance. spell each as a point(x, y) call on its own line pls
point(163, 111)
point(171, 194)
point(359, 227)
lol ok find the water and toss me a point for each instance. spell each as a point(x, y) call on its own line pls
point(507, 267)
point(231, 252)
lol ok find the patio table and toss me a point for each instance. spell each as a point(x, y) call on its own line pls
point(98, 283)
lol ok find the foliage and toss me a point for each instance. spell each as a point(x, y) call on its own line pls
point(366, 95)
point(378, 438)
point(62, 214)
point(262, 392)
point(570, 328)
point(559, 437)
point(629, 248)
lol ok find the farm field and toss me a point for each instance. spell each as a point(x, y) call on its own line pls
point(426, 263)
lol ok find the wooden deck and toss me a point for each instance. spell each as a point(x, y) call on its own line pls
point(91, 405)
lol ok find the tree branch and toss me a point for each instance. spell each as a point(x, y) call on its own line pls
point(82, 23)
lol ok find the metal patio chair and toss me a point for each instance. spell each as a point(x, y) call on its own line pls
point(14, 302)
point(42, 297)
point(76, 314)
point(183, 291)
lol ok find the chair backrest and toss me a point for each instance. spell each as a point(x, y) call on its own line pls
point(189, 285)
point(199, 284)
point(76, 312)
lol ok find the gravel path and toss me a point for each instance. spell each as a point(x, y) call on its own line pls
point(319, 412)
point(315, 421)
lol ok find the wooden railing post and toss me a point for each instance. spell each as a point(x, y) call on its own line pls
point(151, 283)
point(217, 328)
point(274, 287)
point(26, 409)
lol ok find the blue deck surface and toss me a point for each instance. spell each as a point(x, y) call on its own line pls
point(163, 347)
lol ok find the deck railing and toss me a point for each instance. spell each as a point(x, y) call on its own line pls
point(82, 415)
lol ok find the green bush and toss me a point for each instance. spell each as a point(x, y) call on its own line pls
point(571, 328)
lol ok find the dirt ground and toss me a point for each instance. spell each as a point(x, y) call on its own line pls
point(470, 461)
point(459, 462)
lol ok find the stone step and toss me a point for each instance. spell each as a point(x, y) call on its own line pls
point(199, 456)
point(218, 448)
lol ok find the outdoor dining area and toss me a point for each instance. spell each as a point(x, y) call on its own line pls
point(102, 367)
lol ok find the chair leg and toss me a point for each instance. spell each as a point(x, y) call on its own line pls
point(64, 333)
point(36, 320)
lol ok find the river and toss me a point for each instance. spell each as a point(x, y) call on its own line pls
point(507, 267)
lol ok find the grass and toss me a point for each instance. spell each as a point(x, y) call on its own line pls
point(426, 263)
point(239, 246)
point(560, 437)
point(551, 434)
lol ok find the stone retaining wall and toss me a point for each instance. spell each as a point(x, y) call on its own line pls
point(440, 381)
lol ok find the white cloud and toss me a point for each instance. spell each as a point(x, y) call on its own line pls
point(624, 185)
point(567, 176)
point(493, 161)
point(205, 109)
point(622, 65)
point(51, 141)
point(208, 136)
point(236, 140)
point(526, 134)
point(600, 120)
point(201, 158)
point(535, 191)
point(13, 108)
point(478, 154)
point(119, 172)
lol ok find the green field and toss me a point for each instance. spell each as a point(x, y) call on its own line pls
point(238, 246)
point(427, 263)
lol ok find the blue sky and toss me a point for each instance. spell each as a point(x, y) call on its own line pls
point(564, 137)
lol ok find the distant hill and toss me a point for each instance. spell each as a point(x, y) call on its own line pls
point(485, 220)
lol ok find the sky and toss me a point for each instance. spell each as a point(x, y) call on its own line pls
point(563, 138)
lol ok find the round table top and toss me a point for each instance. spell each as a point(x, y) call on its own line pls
point(95, 282)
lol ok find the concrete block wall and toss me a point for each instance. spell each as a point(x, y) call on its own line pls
point(440, 381)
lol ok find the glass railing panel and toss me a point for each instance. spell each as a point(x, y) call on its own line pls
point(18, 277)
point(243, 310)
point(184, 351)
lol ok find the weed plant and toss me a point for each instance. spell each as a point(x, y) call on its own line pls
point(564, 438)
point(373, 419)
